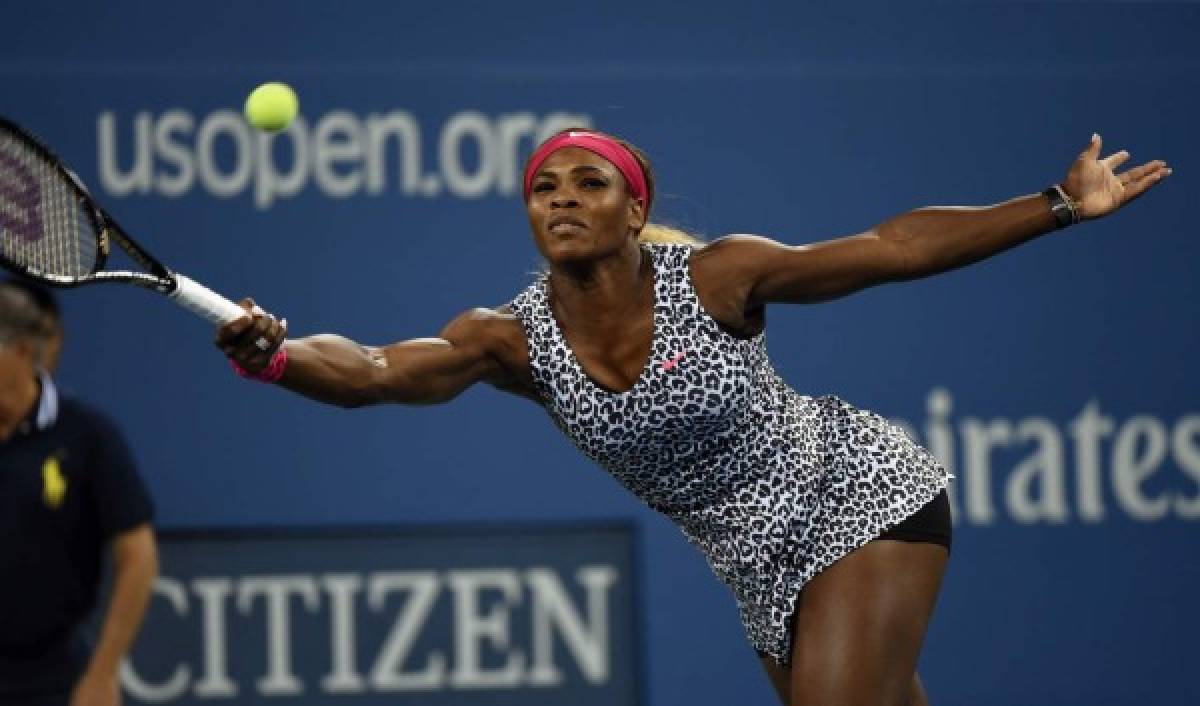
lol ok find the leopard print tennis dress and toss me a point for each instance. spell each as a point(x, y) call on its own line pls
point(771, 485)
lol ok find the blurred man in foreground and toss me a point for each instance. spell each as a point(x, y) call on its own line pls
point(68, 491)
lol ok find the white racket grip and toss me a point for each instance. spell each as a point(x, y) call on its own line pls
point(204, 302)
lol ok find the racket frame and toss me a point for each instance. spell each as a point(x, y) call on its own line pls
point(105, 227)
point(184, 291)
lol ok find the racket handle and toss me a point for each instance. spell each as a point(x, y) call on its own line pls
point(204, 302)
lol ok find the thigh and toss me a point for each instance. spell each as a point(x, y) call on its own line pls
point(860, 623)
point(780, 677)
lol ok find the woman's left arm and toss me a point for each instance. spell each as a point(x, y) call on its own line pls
point(926, 241)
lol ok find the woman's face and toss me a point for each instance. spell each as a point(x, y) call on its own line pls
point(579, 207)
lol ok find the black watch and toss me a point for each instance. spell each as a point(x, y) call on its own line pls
point(1064, 211)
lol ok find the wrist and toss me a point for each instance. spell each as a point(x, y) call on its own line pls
point(271, 373)
point(1063, 208)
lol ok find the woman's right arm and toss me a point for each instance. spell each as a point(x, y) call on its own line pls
point(336, 370)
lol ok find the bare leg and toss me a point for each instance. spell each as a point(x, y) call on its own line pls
point(916, 693)
point(781, 678)
point(859, 627)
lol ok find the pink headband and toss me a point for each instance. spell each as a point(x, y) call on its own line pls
point(597, 143)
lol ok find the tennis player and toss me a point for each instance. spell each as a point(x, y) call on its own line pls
point(829, 524)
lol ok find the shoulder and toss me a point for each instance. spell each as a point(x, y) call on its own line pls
point(724, 272)
point(74, 413)
point(483, 324)
point(499, 335)
point(117, 489)
point(730, 255)
point(528, 297)
point(734, 245)
point(494, 331)
point(100, 436)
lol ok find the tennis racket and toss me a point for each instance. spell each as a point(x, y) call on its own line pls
point(52, 231)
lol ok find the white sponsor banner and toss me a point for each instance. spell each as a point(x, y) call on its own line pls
point(1088, 469)
point(522, 617)
point(341, 154)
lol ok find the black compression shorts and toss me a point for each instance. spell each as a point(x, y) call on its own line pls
point(929, 524)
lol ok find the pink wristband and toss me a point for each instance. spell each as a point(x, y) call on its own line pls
point(271, 373)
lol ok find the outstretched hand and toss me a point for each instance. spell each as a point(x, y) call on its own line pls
point(1094, 184)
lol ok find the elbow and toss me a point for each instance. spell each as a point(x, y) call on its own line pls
point(135, 552)
point(903, 256)
point(912, 262)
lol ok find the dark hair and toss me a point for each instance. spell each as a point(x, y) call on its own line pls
point(45, 299)
point(20, 317)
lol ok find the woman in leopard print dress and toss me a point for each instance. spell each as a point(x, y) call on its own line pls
point(830, 526)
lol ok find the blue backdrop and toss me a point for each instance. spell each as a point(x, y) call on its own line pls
point(1057, 380)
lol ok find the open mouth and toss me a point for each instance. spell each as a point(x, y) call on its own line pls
point(565, 223)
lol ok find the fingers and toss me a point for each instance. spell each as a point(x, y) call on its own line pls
point(259, 343)
point(1115, 160)
point(270, 339)
point(1092, 151)
point(253, 339)
point(234, 328)
point(1138, 173)
point(1139, 180)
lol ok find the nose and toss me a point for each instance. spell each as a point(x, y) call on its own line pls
point(564, 198)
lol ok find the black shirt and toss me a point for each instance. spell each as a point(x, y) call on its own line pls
point(67, 485)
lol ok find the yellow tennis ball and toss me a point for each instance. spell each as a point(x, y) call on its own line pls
point(272, 106)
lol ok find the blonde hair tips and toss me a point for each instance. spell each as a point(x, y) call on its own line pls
point(658, 233)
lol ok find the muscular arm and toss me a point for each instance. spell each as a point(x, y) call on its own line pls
point(336, 370)
point(920, 243)
point(913, 245)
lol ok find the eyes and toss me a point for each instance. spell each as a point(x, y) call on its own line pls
point(588, 183)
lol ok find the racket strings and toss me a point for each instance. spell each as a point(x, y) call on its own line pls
point(43, 222)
